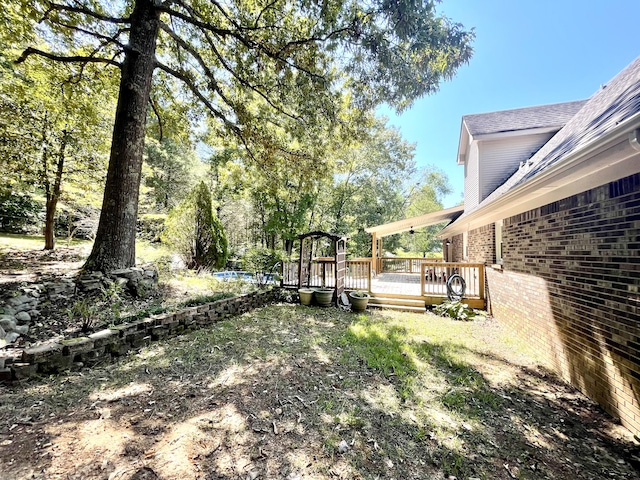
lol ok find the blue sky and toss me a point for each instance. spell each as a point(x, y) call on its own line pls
point(526, 53)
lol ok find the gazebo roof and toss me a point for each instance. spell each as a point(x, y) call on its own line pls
point(407, 224)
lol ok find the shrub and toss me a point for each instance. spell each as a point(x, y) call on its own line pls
point(150, 227)
point(194, 231)
point(262, 261)
point(76, 221)
point(458, 311)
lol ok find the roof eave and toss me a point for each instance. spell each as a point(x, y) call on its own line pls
point(516, 133)
point(463, 143)
point(605, 160)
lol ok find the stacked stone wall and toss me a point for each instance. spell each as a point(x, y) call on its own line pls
point(103, 346)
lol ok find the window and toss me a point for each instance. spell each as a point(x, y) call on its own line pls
point(498, 226)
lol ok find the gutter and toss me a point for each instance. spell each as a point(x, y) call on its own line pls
point(613, 149)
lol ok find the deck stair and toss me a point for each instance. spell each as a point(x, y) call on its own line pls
point(404, 303)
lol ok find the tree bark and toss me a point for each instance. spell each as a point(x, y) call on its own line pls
point(54, 195)
point(114, 245)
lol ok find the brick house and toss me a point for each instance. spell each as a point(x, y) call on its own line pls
point(552, 208)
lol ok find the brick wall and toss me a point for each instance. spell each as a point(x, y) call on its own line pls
point(570, 285)
point(482, 245)
point(457, 249)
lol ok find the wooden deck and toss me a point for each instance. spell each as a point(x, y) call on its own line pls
point(408, 285)
point(401, 287)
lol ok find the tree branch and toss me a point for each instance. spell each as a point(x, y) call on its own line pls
point(196, 91)
point(250, 43)
point(85, 11)
point(106, 39)
point(207, 71)
point(154, 107)
point(210, 75)
point(65, 59)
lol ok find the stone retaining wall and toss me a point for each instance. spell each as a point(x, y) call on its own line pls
point(105, 345)
point(17, 314)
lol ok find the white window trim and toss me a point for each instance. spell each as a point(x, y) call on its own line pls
point(499, 245)
point(465, 246)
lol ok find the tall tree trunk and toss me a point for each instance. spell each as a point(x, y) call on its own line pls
point(54, 195)
point(288, 246)
point(115, 245)
point(44, 172)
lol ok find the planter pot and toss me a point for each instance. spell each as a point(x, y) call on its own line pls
point(358, 304)
point(306, 295)
point(324, 296)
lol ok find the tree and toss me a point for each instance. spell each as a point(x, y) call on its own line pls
point(52, 131)
point(288, 59)
point(172, 172)
point(195, 232)
point(426, 197)
point(370, 184)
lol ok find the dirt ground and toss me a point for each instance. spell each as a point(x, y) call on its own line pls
point(289, 392)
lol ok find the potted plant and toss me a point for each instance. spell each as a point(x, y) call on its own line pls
point(324, 296)
point(306, 295)
point(359, 300)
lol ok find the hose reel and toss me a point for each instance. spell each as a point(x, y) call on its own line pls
point(456, 287)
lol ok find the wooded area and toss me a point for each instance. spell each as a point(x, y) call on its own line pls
point(111, 113)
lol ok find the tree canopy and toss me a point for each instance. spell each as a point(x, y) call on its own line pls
point(272, 75)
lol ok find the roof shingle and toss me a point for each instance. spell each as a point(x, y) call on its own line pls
point(608, 108)
point(542, 116)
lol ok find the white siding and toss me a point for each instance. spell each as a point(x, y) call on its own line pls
point(471, 184)
point(499, 159)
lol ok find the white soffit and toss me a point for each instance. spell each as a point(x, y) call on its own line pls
point(407, 224)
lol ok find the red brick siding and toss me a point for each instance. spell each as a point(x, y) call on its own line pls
point(570, 285)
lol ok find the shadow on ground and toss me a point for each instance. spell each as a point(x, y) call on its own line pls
point(290, 392)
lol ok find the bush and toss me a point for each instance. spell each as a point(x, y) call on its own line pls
point(150, 227)
point(195, 233)
point(76, 221)
point(19, 212)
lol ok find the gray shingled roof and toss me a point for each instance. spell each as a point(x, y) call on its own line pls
point(608, 108)
point(543, 116)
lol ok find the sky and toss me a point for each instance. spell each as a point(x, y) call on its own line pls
point(526, 53)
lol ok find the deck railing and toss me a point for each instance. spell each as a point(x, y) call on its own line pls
point(322, 274)
point(404, 265)
point(358, 276)
point(434, 277)
point(290, 274)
